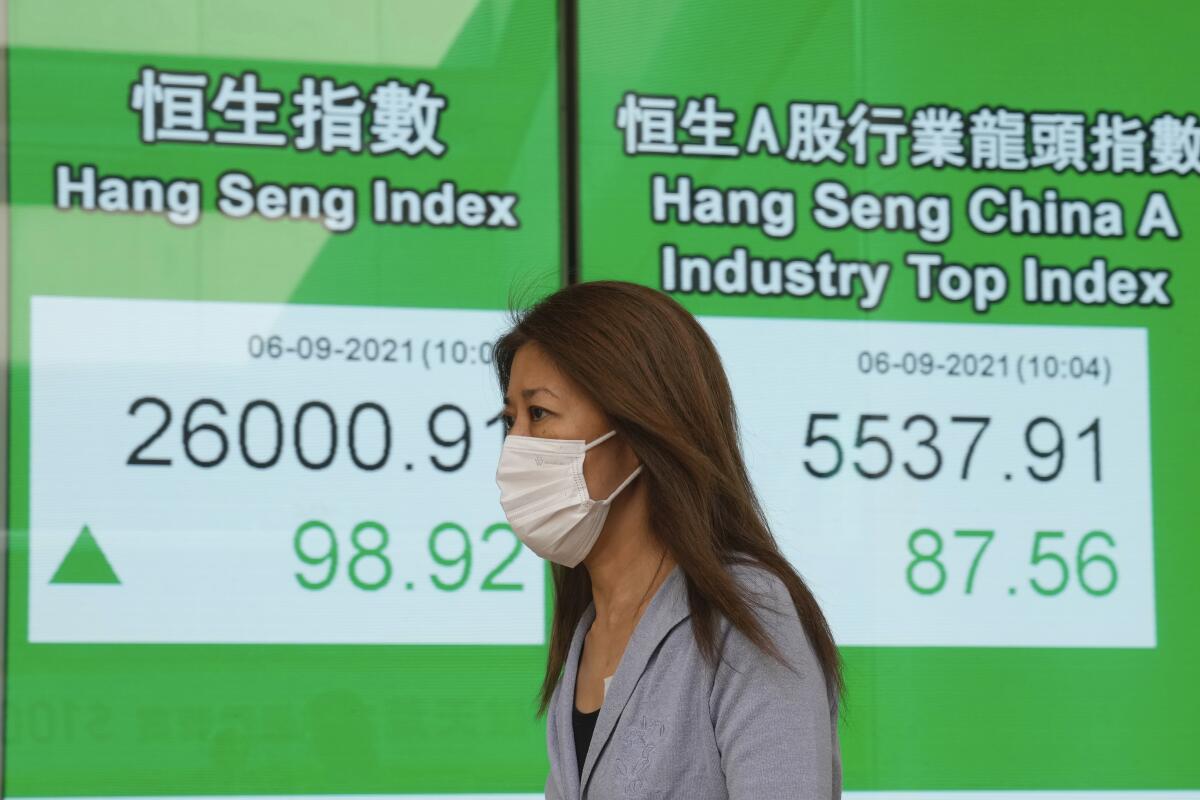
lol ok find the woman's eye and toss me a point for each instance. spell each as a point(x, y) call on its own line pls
point(507, 420)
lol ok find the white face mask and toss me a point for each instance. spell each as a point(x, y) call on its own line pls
point(545, 496)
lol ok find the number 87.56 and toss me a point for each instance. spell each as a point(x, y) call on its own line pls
point(1096, 572)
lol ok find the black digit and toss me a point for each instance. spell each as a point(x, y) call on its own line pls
point(387, 435)
point(1057, 450)
point(189, 432)
point(928, 443)
point(274, 459)
point(810, 440)
point(860, 440)
point(464, 439)
point(136, 457)
point(1094, 430)
point(332, 434)
point(983, 423)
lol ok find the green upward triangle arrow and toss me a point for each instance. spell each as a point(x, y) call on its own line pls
point(85, 562)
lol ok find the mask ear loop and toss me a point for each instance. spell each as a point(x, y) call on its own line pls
point(624, 483)
point(600, 439)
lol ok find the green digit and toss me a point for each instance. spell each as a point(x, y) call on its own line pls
point(987, 539)
point(331, 554)
point(1082, 563)
point(925, 558)
point(464, 557)
point(375, 552)
point(490, 585)
point(1039, 556)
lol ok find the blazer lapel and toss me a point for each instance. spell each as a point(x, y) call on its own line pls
point(666, 610)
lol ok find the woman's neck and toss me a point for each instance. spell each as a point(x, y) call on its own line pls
point(627, 566)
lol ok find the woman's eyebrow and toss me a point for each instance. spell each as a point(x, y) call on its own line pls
point(528, 393)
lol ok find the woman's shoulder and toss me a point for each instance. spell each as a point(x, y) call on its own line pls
point(762, 582)
point(774, 719)
point(772, 604)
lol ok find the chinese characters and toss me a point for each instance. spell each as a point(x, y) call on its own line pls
point(329, 117)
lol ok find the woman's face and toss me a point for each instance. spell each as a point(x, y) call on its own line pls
point(542, 401)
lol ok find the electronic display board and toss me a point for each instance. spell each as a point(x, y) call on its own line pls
point(259, 256)
point(946, 256)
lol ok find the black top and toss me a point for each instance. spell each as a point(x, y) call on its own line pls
point(583, 724)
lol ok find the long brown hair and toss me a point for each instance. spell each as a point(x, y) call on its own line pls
point(654, 370)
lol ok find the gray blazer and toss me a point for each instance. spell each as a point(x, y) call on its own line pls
point(673, 727)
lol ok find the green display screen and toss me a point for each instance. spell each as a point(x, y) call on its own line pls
point(946, 256)
point(258, 255)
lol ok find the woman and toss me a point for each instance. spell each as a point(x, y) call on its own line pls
point(614, 391)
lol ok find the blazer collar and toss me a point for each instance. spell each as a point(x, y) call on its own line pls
point(667, 608)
